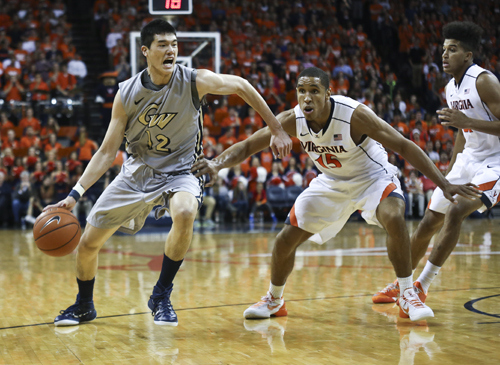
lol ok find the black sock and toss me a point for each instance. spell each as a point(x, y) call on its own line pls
point(169, 269)
point(86, 289)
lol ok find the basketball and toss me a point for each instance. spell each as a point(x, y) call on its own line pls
point(57, 232)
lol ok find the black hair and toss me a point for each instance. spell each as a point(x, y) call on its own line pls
point(157, 26)
point(316, 72)
point(467, 33)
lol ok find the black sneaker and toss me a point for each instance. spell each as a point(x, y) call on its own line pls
point(161, 308)
point(79, 312)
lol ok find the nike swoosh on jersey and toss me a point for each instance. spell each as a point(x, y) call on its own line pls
point(305, 134)
point(53, 219)
point(138, 101)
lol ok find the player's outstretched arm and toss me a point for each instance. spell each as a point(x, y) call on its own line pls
point(488, 88)
point(209, 82)
point(365, 121)
point(102, 159)
point(238, 152)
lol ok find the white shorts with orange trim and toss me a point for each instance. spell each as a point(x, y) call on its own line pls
point(485, 174)
point(326, 205)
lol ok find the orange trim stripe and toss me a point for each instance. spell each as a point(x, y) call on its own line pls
point(487, 186)
point(293, 217)
point(389, 189)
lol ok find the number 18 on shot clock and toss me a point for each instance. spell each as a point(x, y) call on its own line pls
point(170, 7)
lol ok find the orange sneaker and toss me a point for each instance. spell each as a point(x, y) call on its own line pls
point(389, 294)
point(417, 287)
point(267, 307)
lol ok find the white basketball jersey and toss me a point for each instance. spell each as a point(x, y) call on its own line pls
point(334, 152)
point(464, 97)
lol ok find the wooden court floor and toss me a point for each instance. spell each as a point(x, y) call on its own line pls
point(331, 317)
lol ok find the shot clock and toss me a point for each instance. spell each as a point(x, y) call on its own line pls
point(170, 7)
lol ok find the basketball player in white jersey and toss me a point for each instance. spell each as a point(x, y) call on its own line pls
point(158, 111)
point(473, 97)
point(346, 140)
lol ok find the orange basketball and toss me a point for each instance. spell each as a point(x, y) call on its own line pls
point(57, 232)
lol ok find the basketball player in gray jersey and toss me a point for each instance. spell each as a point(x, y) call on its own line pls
point(158, 111)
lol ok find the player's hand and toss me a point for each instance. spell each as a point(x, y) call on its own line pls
point(468, 191)
point(203, 166)
point(68, 203)
point(453, 118)
point(281, 144)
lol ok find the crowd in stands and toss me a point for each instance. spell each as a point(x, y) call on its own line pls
point(385, 54)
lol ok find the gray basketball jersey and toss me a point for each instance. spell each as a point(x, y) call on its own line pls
point(164, 128)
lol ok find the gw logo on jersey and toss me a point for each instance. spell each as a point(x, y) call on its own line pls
point(150, 118)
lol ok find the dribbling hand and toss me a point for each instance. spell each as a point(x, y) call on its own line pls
point(67, 203)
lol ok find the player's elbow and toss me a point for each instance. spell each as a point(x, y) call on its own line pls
point(242, 86)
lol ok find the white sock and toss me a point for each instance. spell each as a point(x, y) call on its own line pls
point(276, 291)
point(429, 273)
point(405, 283)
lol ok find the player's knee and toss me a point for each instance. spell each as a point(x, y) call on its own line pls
point(392, 216)
point(88, 247)
point(184, 215)
point(457, 213)
point(288, 239)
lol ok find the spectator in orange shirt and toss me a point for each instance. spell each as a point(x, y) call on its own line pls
point(39, 89)
point(445, 135)
point(259, 202)
point(401, 125)
point(341, 85)
point(51, 127)
point(221, 113)
point(86, 148)
point(443, 163)
point(10, 141)
point(65, 82)
point(434, 129)
point(417, 140)
point(72, 162)
point(275, 175)
point(13, 90)
point(253, 120)
point(418, 118)
point(293, 65)
point(266, 159)
point(424, 136)
point(248, 133)
point(31, 159)
point(5, 125)
point(30, 121)
point(30, 139)
point(228, 139)
point(232, 120)
point(52, 143)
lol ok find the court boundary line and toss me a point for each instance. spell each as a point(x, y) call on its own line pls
point(288, 300)
point(470, 307)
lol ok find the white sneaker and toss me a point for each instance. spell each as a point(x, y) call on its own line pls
point(267, 307)
point(411, 306)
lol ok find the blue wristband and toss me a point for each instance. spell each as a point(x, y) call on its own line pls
point(75, 195)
